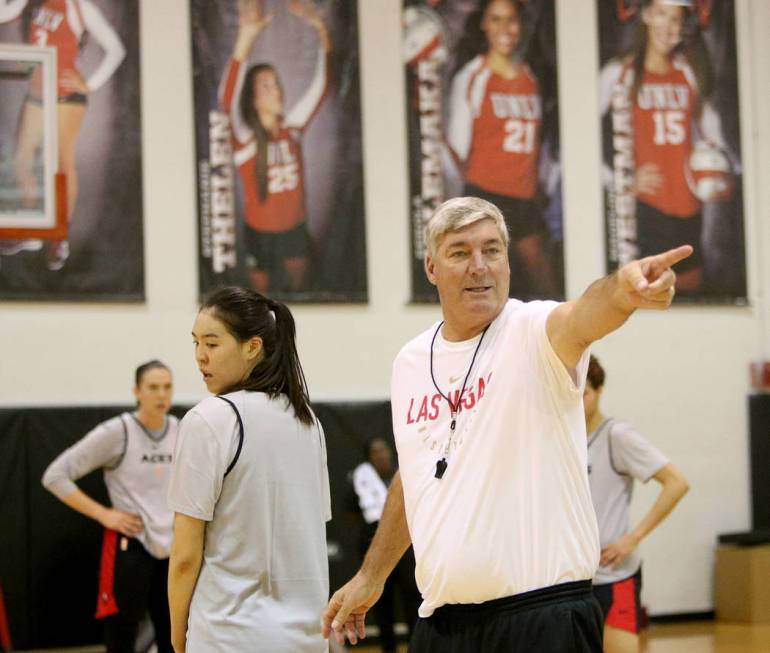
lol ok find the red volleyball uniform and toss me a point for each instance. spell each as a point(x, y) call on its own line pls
point(283, 208)
point(59, 24)
point(494, 126)
point(663, 120)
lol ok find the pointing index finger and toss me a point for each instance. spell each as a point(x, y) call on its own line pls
point(673, 256)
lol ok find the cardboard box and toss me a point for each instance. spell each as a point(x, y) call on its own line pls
point(742, 583)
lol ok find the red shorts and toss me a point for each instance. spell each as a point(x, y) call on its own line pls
point(620, 603)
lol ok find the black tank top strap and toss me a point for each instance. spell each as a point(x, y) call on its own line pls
point(240, 435)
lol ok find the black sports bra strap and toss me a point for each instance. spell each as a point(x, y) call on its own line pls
point(240, 435)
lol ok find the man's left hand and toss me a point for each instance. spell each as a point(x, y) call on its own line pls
point(649, 282)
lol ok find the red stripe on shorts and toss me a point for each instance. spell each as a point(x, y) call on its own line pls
point(5, 631)
point(105, 602)
point(622, 614)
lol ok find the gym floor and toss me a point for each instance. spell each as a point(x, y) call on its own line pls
point(695, 637)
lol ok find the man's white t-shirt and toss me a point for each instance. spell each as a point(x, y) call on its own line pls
point(513, 510)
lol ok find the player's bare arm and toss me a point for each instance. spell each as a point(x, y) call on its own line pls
point(183, 569)
point(647, 283)
point(344, 615)
point(251, 22)
point(673, 487)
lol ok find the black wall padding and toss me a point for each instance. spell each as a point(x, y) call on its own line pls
point(759, 425)
point(49, 554)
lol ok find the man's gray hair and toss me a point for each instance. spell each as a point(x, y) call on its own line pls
point(457, 213)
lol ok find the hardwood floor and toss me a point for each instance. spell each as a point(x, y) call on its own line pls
point(696, 637)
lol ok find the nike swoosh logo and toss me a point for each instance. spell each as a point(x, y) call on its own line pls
point(454, 379)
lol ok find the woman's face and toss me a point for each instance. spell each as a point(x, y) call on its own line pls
point(664, 26)
point(154, 391)
point(268, 97)
point(223, 361)
point(502, 27)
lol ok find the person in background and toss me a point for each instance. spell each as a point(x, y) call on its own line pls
point(618, 455)
point(135, 450)
point(370, 481)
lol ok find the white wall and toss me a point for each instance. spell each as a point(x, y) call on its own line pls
point(681, 378)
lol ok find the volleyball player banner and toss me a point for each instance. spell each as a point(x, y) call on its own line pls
point(278, 147)
point(672, 166)
point(70, 151)
point(483, 115)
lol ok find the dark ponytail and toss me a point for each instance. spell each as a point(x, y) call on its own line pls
point(246, 314)
point(251, 118)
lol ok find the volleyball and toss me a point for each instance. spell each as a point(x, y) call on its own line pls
point(423, 36)
point(709, 173)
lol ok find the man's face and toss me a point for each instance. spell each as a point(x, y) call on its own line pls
point(471, 272)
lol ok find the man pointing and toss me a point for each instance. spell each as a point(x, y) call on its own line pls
point(493, 490)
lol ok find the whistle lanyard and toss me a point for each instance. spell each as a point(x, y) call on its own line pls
point(442, 464)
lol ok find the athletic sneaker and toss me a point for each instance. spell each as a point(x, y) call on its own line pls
point(56, 254)
point(11, 247)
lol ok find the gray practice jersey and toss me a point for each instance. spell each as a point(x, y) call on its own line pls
point(137, 467)
point(264, 580)
point(617, 454)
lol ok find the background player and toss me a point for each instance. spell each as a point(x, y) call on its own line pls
point(370, 488)
point(495, 124)
point(135, 450)
point(617, 455)
point(268, 151)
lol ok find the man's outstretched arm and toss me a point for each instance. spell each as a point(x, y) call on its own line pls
point(344, 615)
point(609, 302)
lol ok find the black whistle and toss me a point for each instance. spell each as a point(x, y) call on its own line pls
point(441, 466)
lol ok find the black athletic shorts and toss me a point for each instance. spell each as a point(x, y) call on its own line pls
point(657, 232)
point(129, 578)
point(267, 250)
point(563, 618)
point(621, 602)
point(70, 98)
point(523, 217)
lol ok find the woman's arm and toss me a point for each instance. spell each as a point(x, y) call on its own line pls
point(673, 487)
point(107, 38)
point(251, 22)
point(129, 524)
point(102, 447)
point(183, 569)
point(306, 107)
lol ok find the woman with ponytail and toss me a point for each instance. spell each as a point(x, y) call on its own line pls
point(250, 489)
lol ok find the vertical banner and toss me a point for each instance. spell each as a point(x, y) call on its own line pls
point(671, 140)
point(483, 120)
point(96, 250)
point(278, 145)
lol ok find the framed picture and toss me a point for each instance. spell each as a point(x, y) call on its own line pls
point(29, 184)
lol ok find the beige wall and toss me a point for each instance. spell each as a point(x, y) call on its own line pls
point(681, 378)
